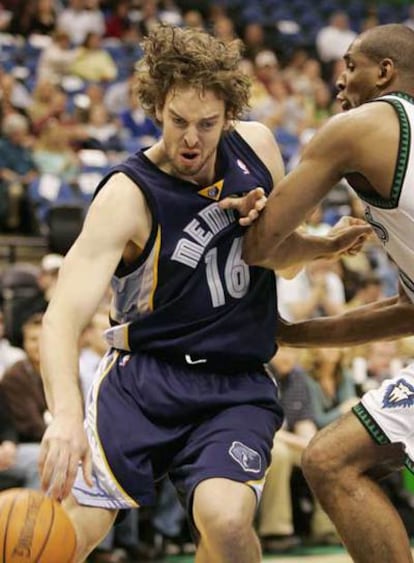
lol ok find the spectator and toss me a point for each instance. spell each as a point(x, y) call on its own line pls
point(331, 385)
point(18, 462)
point(45, 103)
point(137, 125)
point(194, 18)
point(22, 18)
point(92, 349)
point(23, 388)
point(38, 301)
point(44, 17)
point(9, 354)
point(333, 40)
point(149, 17)
point(275, 523)
point(224, 29)
point(81, 17)
point(276, 526)
point(170, 13)
point(117, 22)
point(374, 363)
point(53, 154)
point(266, 66)
point(254, 39)
point(54, 62)
point(117, 95)
point(103, 130)
point(316, 291)
point(15, 97)
point(92, 63)
point(368, 289)
point(17, 170)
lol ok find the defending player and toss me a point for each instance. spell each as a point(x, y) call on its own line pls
point(370, 145)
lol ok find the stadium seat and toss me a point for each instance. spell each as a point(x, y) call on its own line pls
point(64, 222)
point(48, 190)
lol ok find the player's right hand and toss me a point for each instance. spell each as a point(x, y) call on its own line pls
point(63, 446)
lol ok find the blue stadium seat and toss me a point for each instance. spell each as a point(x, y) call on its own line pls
point(46, 191)
point(288, 143)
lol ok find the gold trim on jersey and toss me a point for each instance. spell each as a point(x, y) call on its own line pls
point(157, 248)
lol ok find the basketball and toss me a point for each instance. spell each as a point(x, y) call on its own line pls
point(34, 528)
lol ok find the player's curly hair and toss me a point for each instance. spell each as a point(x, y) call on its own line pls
point(175, 57)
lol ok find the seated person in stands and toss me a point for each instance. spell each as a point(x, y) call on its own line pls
point(9, 354)
point(23, 388)
point(18, 462)
point(36, 301)
point(275, 522)
point(17, 170)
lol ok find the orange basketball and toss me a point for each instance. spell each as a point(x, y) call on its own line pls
point(34, 528)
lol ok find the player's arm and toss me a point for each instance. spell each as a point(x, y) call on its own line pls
point(389, 318)
point(331, 153)
point(298, 247)
point(117, 215)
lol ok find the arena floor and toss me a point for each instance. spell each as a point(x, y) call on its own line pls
point(322, 555)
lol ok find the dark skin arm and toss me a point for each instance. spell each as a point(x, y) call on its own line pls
point(298, 248)
point(386, 319)
point(342, 146)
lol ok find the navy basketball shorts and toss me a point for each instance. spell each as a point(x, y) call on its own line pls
point(146, 418)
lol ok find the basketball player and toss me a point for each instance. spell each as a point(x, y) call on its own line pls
point(371, 146)
point(182, 389)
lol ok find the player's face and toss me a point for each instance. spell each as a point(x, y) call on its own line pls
point(192, 123)
point(358, 82)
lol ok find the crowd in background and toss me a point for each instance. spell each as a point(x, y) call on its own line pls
point(68, 112)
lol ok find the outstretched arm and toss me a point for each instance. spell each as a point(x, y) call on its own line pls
point(82, 282)
point(342, 146)
point(386, 319)
point(272, 241)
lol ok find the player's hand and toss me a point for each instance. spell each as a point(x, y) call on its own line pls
point(63, 446)
point(349, 235)
point(248, 206)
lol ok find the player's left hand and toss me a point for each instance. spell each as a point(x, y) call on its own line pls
point(248, 206)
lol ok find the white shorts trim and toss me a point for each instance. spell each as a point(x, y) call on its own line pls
point(105, 492)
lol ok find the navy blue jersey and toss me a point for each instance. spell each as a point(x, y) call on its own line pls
point(190, 295)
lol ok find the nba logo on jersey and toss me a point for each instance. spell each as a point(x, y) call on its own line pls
point(246, 457)
point(243, 167)
point(399, 394)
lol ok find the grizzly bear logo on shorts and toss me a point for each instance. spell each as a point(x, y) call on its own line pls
point(249, 459)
